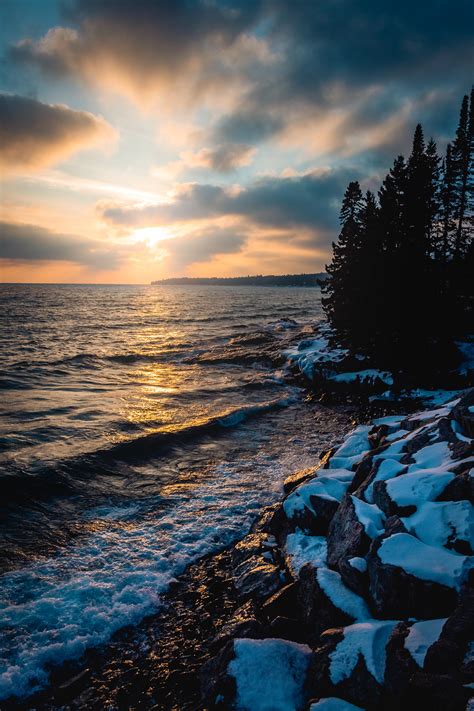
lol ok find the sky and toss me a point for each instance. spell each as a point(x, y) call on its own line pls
point(142, 139)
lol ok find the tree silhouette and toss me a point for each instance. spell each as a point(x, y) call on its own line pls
point(401, 282)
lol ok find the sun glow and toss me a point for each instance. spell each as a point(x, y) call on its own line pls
point(152, 235)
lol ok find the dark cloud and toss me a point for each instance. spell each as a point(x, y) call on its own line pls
point(139, 45)
point(365, 57)
point(34, 134)
point(310, 200)
point(30, 243)
point(202, 246)
point(223, 158)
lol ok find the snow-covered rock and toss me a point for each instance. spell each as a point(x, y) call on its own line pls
point(269, 674)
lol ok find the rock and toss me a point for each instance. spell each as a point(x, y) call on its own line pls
point(311, 506)
point(257, 580)
point(396, 593)
point(447, 653)
point(342, 660)
point(254, 575)
point(461, 488)
point(355, 578)
point(325, 602)
point(298, 478)
point(243, 623)
point(288, 628)
point(346, 535)
point(282, 603)
point(218, 690)
point(438, 692)
point(399, 668)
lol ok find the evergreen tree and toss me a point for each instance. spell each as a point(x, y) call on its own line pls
point(338, 299)
point(401, 280)
point(447, 200)
point(462, 156)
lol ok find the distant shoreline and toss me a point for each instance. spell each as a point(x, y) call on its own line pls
point(258, 280)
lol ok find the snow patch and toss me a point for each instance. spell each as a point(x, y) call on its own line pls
point(301, 549)
point(329, 488)
point(425, 562)
point(370, 516)
point(341, 597)
point(388, 469)
point(438, 522)
point(359, 564)
point(366, 638)
point(269, 674)
point(352, 450)
point(421, 637)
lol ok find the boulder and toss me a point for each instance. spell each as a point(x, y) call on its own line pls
point(346, 535)
point(325, 602)
point(402, 581)
point(254, 575)
point(311, 506)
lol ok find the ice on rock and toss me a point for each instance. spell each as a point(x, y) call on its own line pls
point(341, 597)
point(437, 522)
point(421, 637)
point(269, 674)
point(352, 450)
point(334, 704)
point(367, 638)
point(301, 549)
point(388, 469)
point(325, 487)
point(370, 516)
point(437, 565)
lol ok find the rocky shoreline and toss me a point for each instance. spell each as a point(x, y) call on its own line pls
point(357, 588)
point(353, 592)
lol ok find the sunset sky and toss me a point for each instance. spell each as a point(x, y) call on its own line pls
point(149, 138)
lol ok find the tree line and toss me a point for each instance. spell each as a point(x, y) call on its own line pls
point(400, 285)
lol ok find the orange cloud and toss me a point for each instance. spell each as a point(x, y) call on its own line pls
point(34, 134)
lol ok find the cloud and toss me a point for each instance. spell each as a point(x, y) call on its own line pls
point(34, 134)
point(309, 200)
point(274, 68)
point(202, 246)
point(31, 243)
point(139, 48)
point(223, 158)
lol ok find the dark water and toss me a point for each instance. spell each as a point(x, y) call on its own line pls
point(142, 427)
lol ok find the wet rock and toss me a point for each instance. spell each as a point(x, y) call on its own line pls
point(218, 689)
point(283, 603)
point(300, 476)
point(257, 580)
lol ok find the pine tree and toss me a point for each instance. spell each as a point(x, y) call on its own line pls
point(338, 299)
point(447, 202)
point(433, 194)
point(462, 157)
point(392, 205)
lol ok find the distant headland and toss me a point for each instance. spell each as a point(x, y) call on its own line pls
point(257, 280)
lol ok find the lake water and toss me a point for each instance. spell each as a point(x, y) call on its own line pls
point(142, 427)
